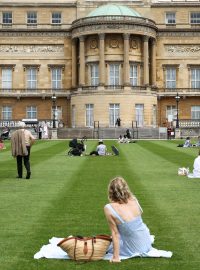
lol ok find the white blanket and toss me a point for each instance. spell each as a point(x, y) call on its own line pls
point(52, 251)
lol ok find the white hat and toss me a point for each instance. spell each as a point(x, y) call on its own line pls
point(100, 140)
point(21, 124)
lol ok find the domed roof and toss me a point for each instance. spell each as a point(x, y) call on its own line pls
point(113, 10)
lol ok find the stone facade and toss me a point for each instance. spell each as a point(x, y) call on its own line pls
point(75, 57)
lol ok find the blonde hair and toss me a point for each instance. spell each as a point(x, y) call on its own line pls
point(118, 190)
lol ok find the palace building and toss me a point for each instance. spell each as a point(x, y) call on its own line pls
point(102, 60)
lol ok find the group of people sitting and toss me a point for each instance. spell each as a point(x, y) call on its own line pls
point(188, 143)
point(126, 138)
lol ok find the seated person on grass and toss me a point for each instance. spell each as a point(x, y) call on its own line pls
point(186, 144)
point(130, 236)
point(196, 166)
point(101, 149)
point(197, 144)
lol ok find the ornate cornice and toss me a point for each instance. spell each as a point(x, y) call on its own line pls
point(114, 28)
point(179, 33)
point(10, 33)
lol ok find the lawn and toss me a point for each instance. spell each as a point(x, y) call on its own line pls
point(66, 195)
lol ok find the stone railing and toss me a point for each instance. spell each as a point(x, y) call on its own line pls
point(189, 123)
point(17, 92)
point(111, 19)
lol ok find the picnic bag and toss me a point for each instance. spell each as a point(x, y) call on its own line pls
point(86, 248)
point(183, 171)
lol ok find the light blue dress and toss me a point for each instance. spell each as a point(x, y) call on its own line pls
point(135, 238)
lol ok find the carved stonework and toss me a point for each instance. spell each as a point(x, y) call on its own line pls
point(35, 34)
point(133, 44)
point(30, 49)
point(93, 44)
point(114, 43)
point(178, 34)
point(183, 50)
point(116, 28)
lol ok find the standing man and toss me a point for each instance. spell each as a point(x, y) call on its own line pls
point(21, 142)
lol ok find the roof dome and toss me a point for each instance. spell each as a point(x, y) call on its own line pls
point(113, 10)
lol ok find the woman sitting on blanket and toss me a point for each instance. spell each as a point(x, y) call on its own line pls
point(130, 235)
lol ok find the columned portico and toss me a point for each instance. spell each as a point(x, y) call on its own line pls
point(126, 59)
point(101, 59)
point(146, 59)
point(82, 61)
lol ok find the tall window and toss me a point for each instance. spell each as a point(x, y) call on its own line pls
point(195, 17)
point(94, 74)
point(195, 77)
point(73, 116)
point(7, 17)
point(7, 78)
point(134, 75)
point(7, 113)
point(139, 114)
point(154, 115)
point(56, 77)
point(56, 18)
point(31, 112)
point(31, 78)
point(195, 112)
point(89, 115)
point(170, 77)
point(114, 74)
point(171, 113)
point(113, 114)
point(32, 17)
point(170, 18)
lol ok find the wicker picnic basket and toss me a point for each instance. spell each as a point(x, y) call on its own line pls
point(86, 248)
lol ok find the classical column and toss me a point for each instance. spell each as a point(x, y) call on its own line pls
point(74, 63)
point(146, 59)
point(82, 61)
point(101, 59)
point(153, 62)
point(126, 59)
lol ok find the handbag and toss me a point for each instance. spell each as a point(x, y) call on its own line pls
point(86, 248)
point(183, 171)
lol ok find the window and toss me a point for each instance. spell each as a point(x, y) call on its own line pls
point(31, 112)
point(6, 113)
point(195, 77)
point(134, 75)
point(139, 114)
point(195, 112)
point(94, 74)
point(7, 18)
point(56, 76)
point(89, 115)
point(170, 77)
point(31, 17)
point(154, 115)
point(114, 74)
point(57, 110)
point(73, 116)
point(195, 17)
point(171, 113)
point(31, 78)
point(113, 114)
point(170, 18)
point(7, 78)
point(56, 18)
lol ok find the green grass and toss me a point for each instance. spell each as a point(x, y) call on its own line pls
point(66, 196)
